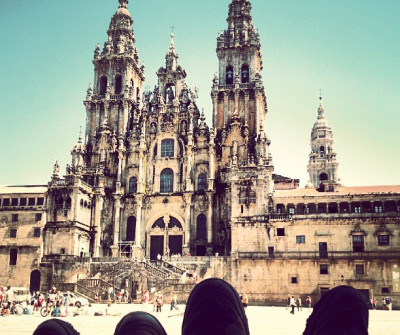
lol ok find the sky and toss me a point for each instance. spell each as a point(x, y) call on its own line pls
point(347, 48)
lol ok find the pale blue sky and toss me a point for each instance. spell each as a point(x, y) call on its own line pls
point(349, 48)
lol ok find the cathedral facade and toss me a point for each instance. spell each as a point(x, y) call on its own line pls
point(149, 177)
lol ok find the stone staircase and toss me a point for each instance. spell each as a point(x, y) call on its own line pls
point(159, 276)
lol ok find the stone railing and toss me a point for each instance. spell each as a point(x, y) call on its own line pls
point(320, 255)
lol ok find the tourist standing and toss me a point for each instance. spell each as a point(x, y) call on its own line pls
point(145, 300)
point(245, 301)
point(308, 301)
point(298, 303)
point(160, 301)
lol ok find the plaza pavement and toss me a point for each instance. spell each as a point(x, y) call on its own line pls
point(262, 321)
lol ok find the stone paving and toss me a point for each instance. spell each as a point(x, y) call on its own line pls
point(262, 320)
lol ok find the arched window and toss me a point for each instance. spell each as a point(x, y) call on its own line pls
point(201, 231)
point(323, 176)
point(118, 84)
point(229, 75)
point(173, 222)
point(167, 181)
point(103, 85)
point(159, 224)
point(131, 229)
point(202, 182)
point(167, 148)
point(322, 151)
point(137, 93)
point(133, 185)
point(245, 74)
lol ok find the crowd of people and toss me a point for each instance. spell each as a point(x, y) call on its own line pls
point(215, 308)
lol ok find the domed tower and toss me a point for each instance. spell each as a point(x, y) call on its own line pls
point(322, 166)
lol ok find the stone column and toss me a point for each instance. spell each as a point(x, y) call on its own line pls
point(247, 106)
point(99, 203)
point(138, 233)
point(117, 219)
point(226, 107)
point(209, 219)
point(211, 168)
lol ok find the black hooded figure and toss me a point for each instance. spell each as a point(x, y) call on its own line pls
point(341, 311)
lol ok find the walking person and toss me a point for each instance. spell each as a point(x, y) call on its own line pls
point(292, 304)
point(174, 301)
point(245, 301)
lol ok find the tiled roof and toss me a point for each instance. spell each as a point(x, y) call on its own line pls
point(351, 190)
point(27, 189)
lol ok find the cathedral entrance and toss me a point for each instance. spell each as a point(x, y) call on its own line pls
point(175, 244)
point(156, 246)
point(166, 237)
point(34, 281)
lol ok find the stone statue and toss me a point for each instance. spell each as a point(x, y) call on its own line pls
point(114, 143)
point(170, 94)
point(153, 128)
point(56, 170)
point(102, 156)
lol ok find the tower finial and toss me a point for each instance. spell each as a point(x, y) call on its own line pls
point(123, 3)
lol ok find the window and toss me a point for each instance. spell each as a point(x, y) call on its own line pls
point(167, 181)
point(229, 75)
point(62, 251)
point(323, 269)
point(245, 74)
point(280, 231)
point(14, 202)
point(6, 202)
point(118, 84)
point(202, 182)
point(378, 209)
point(322, 153)
point(357, 209)
point(291, 210)
point(383, 240)
point(31, 202)
point(22, 202)
point(201, 231)
point(14, 217)
point(103, 85)
point(167, 148)
point(68, 203)
point(131, 229)
point(360, 269)
point(13, 233)
point(300, 239)
point(36, 232)
point(358, 243)
point(40, 201)
point(13, 256)
point(38, 217)
point(321, 208)
point(133, 185)
point(385, 290)
point(294, 280)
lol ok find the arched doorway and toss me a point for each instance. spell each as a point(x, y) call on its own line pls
point(34, 281)
point(166, 235)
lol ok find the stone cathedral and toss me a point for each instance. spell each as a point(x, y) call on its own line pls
point(150, 178)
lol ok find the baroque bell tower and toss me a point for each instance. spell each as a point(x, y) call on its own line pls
point(244, 164)
point(322, 166)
